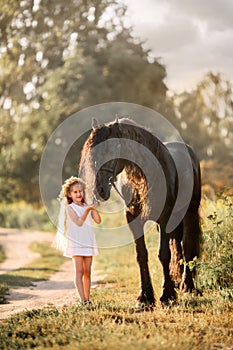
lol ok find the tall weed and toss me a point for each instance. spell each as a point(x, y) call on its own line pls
point(216, 264)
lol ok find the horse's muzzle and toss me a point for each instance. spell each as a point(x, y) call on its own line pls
point(102, 194)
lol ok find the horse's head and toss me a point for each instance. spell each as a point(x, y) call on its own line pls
point(101, 159)
point(105, 177)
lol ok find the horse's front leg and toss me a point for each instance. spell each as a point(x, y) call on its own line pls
point(146, 297)
point(169, 292)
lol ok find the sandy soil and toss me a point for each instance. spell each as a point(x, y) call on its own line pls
point(59, 290)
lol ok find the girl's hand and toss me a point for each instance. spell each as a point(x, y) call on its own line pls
point(92, 206)
point(95, 214)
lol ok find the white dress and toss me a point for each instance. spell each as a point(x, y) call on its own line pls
point(80, 239)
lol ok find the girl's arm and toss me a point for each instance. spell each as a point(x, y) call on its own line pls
point(78, 220)
point(95, 215)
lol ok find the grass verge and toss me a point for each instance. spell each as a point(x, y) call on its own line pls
point(2, 254)
point(114, 322)
point(37, 270)
point(4, 289)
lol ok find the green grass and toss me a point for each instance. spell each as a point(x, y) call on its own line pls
point(115, 323)
point(37, 270)
point(4, 289)
point(2, 254)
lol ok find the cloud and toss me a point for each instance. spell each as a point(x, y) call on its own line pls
point(217, 14)
point(169, 35)
point(192, 36)
point(186, 69)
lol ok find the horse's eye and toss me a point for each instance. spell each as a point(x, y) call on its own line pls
point(111, 180)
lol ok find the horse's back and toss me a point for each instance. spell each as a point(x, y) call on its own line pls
point(188, 165)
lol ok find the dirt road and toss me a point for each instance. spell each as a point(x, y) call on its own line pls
point(59, 290)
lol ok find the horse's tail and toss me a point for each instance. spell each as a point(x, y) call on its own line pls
point(175, 267)
point(189, 231)
point(185, 244)
point(195, 204)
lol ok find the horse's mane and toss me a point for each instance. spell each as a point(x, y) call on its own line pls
point(134, 181)
point(134, 174)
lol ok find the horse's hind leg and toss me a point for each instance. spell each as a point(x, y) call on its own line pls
point(146, 296)
point(165, 258)
point(191, 246)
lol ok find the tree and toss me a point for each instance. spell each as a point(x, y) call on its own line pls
point(57, 59)
point(206, 117)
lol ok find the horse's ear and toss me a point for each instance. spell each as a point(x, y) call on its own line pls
point(95, 123)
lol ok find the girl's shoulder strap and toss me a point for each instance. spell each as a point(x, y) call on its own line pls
point(78, 206)
point(72, 205)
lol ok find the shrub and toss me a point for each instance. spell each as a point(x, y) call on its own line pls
point(24, 216)
point(216, 264)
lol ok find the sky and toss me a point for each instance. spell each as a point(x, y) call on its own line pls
point(190, 37)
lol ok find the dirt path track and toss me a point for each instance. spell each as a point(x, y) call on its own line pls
point(59, 290)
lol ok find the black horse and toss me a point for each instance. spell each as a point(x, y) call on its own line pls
point(155, 185)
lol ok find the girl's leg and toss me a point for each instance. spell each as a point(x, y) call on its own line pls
point(78, 276)
point(87, 261)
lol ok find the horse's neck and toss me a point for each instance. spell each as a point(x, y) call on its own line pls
point(142, 137)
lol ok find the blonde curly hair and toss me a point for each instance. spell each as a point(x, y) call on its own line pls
point(67, 187)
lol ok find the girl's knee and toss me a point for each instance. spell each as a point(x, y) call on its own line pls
point(79, 273)
point(87, 273)
point(79, 270)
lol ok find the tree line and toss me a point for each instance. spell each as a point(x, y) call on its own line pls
point(57, 58)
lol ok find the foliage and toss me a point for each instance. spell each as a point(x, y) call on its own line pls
point(24, 216)
point(208, 110)
point(55, 60)
point(214, 268)
point(216, 264)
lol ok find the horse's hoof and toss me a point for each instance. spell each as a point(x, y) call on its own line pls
point(142, 306)
point(168, 300)
point(145, 303)
point(186, 289)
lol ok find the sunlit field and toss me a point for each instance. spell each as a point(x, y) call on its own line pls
point(194, 322)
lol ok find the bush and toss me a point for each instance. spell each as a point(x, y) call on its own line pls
point(24, 216)
point(216, 264)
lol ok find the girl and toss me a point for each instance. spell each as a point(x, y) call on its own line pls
point(78, 239)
